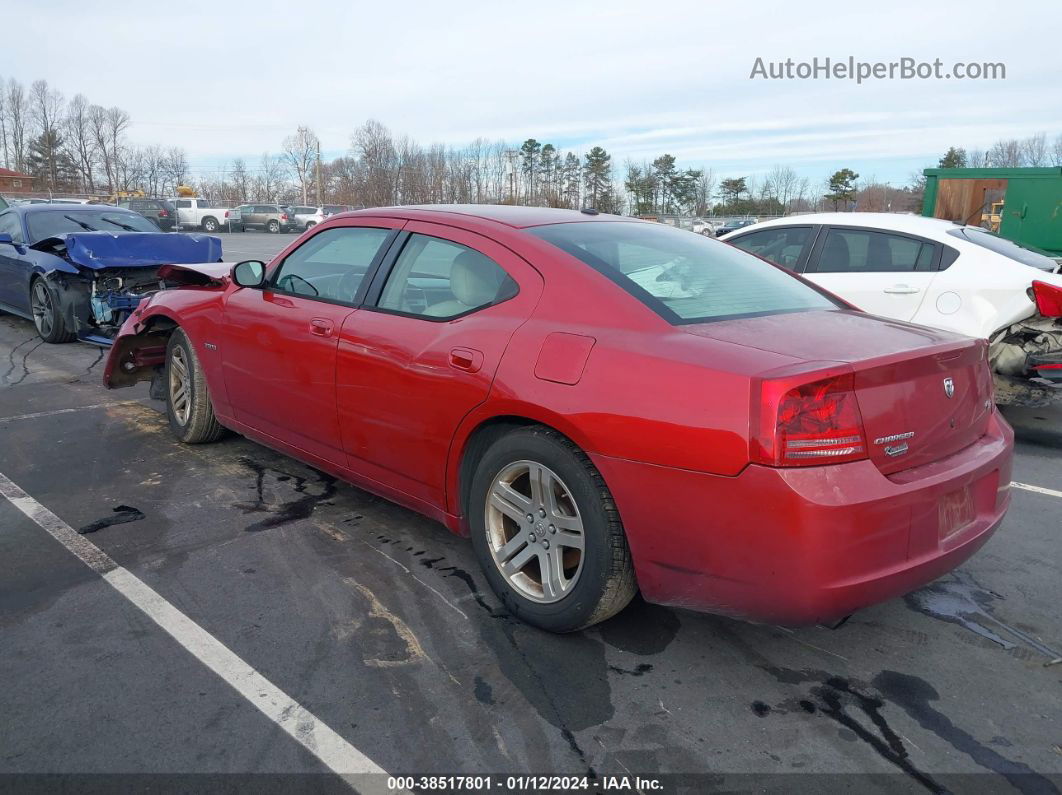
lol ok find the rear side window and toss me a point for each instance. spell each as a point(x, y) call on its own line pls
point(685, 278)
point(1022, 254)
point(438, 279)
point(864, 251)
point(184, 204)
point(780, 245)
point(331, 265)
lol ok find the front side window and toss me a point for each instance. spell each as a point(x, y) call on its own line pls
point(683, 277)
point(864, 251)
point(331, 265)
point(440, 279)
point(9, 225)
point(781, 245)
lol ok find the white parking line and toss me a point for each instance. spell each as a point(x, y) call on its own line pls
point(309, 731)
point(53, 412)
point(1037, 489)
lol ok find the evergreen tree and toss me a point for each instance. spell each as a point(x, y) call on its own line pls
point(529, 152)
point(953, 158)
point(842, 187)
point(597, 175)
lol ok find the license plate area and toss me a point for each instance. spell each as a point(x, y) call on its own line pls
point(954, 512)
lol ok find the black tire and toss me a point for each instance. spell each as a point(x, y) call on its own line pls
point(210, 224)
point(194, 422)
point(274, 227)
point(44, 307)
point(310, 225)
point(605, 584)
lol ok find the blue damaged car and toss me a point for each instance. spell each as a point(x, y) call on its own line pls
point(78, 270)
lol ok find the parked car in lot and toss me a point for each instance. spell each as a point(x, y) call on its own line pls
point(193, 213)
point(334, 209)
point(80, 271)
point(267, 217)
point(731, 226)
point(160, 211)
point(940, 274)
point(604, 405)
point(303, 218)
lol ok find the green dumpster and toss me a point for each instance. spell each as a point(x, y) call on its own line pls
point(1020, 204)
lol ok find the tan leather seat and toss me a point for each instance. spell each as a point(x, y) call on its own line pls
point(474, 281)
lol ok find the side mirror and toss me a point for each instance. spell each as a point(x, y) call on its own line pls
point(6, 238)
point(249, 273)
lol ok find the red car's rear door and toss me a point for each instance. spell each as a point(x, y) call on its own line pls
point(279, 342)
point(423, 351)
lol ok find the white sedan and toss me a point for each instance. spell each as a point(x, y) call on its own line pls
point(936, 273)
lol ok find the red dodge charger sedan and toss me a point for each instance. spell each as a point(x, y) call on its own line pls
point(604, 405)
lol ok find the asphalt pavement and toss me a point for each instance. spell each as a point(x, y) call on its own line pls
point(377, 624)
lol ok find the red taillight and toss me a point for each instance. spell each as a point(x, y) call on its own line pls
point(808, 424)
point(226, 213)
point(1048, 299)
point(164, 214)
point(283, 216)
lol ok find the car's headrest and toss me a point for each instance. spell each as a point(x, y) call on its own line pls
point(474, 279)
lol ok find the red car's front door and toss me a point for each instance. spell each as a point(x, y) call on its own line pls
point(412, 365)
point(279, 342)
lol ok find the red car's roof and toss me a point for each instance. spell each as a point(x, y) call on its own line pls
point(516, 217)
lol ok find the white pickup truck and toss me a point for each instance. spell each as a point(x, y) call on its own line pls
point(206, 215)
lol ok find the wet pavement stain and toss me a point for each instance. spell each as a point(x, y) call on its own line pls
point(850, 703)
point(484, 694)
point(641, 628)
point(24, 361)
point(847, 703)
point(639, 670)
point(913, 695)
point(959, 599)
point(281, 513)
point(121, 515)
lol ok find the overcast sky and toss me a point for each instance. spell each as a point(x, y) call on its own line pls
point(230, 78)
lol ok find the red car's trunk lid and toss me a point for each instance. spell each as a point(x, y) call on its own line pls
point(918, 409)
point(923, 393)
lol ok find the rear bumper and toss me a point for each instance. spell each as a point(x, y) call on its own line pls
point(802, 546)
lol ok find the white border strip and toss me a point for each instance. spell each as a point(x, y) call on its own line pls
point(309, 731)
point(54, 412)
point(1037, 489)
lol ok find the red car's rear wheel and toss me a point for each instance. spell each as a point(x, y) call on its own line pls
point(547, 533)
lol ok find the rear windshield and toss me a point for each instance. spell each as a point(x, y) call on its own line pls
point(1023, 254)
point(682, 276)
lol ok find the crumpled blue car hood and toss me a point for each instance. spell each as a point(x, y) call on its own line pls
point(98, 250)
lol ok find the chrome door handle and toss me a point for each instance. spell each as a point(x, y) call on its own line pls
point(901, 289)
point(321, 327)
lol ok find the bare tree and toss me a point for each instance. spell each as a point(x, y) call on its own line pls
point(1005, 154)
point(1034, 150)
point(174, 168)
point(80, 142)
point(1056, 151)
point(268, 183)
point(238, 181)
point(300, 153)
point(46, 107)
point(3, 126)
point(782, 181)
point(18, 113)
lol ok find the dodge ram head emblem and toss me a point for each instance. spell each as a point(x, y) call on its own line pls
point(949, 387)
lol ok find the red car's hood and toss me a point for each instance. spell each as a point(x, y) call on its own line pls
point(216, 273)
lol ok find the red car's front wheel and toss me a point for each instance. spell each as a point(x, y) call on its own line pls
point(547, 532)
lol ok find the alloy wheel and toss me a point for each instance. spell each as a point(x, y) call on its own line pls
point(180, 399)
point(534, 531)
point(42, 308)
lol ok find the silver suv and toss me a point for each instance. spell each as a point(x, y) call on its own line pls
point(267, 217)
